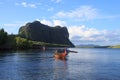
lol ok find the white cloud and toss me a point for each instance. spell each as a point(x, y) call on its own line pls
point(12, 24)
point(53, 22)
point(32, 5)
point(47, 22)
point(12, 27)
point(83, 12)
point(82, 31)
point(83, 34)
point(59, 22)
point(24, 4)
point(56, 1)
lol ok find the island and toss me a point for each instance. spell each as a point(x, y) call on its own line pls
point(35, 35)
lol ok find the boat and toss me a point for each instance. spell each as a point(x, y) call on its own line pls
point(59, 55)
point(62, 54)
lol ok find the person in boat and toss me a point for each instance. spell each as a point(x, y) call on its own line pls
point(59, 51)
point(60, 54)
point(62, 51)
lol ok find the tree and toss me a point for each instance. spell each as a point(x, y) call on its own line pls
point(3, 36)
point(23, 43)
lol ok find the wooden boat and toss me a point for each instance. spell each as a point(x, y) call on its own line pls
point(59, 55)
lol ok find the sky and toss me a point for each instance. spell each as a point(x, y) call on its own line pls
point(87, 21)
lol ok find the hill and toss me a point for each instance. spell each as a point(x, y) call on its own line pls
point(116, 46)
point(37, 31)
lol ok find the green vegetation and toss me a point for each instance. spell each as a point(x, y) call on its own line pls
point(35, 35)
point(11, 42)
point(23, 43)
point(16, 42)
point(3, 36)
point(117, 46)
point(90, 46)
point(7, 41)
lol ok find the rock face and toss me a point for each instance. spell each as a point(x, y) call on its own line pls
point(37, 31)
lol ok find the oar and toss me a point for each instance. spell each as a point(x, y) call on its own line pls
point(73, 51)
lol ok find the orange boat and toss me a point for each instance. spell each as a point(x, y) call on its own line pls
point(62, 55)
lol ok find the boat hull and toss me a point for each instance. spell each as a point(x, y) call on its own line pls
point(60, 55)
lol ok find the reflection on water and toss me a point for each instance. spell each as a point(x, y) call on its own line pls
point(60, 70)
point(87, 64)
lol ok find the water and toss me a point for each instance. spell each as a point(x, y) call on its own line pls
point(87, 64)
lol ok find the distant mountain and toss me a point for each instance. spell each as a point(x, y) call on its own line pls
point(90, 46)
point(87, 45)
point(37, 31)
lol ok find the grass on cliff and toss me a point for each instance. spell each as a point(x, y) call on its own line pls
point(24, 43)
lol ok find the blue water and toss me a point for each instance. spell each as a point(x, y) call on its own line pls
point(87, 64)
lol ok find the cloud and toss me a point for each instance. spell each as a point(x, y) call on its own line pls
point(14, 24)
point(82, 34)
point(82, 13)
point(24, 4)
point(53, 22)
point(82, 31)
point(47, 22)
point(56, 1)
point(13, 27)
point(59, 22)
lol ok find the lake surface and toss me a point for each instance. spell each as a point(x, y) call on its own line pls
point(87, 64)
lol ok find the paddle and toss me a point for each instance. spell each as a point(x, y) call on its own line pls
point(72, 51)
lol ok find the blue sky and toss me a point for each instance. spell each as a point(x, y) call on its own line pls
point(88, 21)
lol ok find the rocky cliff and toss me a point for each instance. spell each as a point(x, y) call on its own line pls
point(37, 31)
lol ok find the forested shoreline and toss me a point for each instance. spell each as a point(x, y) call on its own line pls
point(13, 42)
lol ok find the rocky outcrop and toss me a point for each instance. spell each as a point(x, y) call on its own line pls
point(37, 31)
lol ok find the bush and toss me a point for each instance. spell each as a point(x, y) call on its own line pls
point(23, 43)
